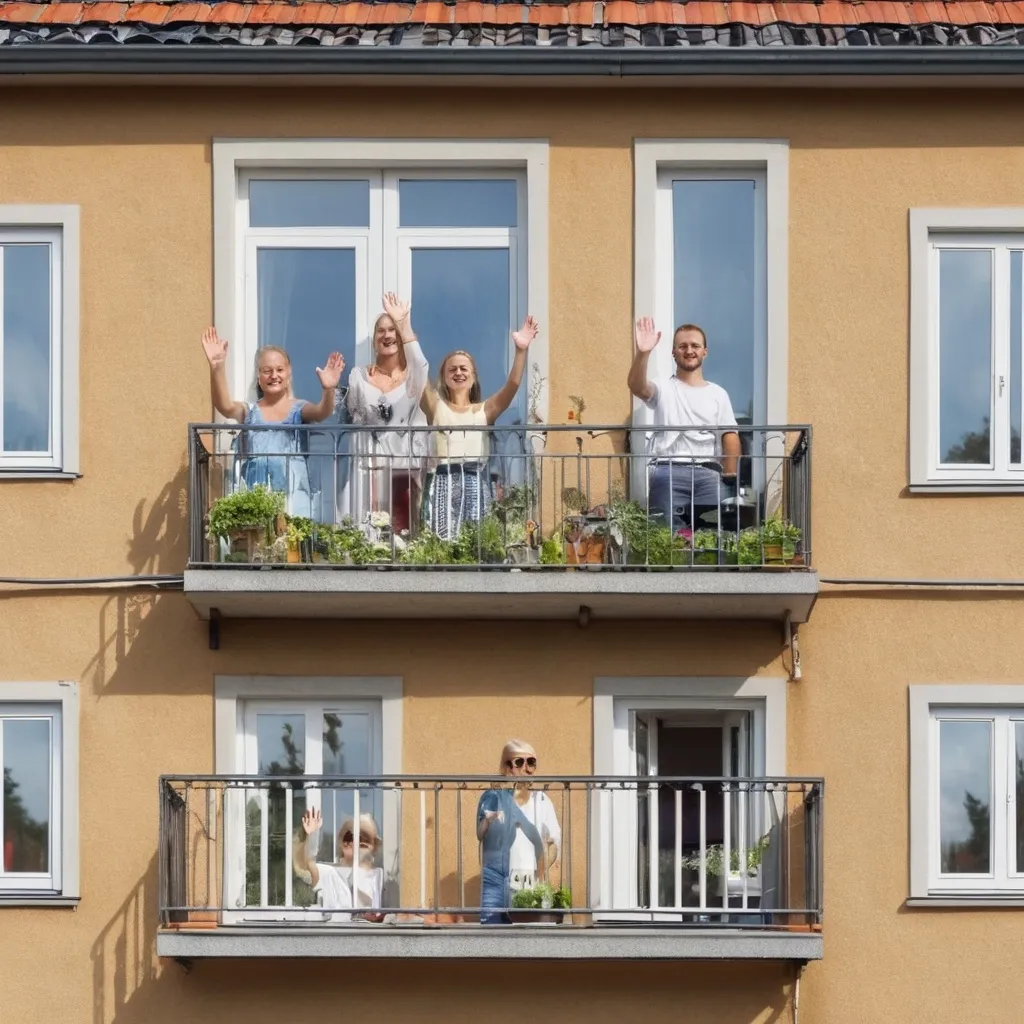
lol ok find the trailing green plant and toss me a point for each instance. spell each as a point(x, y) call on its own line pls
point(299, 529)
point(346, 544)
point(244, 510)
point(658, 545)
point(542, 897)
point(714, 858)
point(482, 541)
point(428, 549)
point(627, 521)
point(552, 551)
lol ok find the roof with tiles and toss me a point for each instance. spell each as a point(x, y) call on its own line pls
point(461, 23)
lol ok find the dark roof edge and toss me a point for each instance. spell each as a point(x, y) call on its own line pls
point(228, 61)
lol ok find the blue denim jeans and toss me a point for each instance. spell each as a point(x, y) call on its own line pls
point(679, 488)
point(494, 896)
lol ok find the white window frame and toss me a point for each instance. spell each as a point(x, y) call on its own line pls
point(928, 706)
point(59, 702)
point(237, 160)
point(969, 228)
point(58, 227)
point(232, 695)
point(654, 161)
point(613, 862)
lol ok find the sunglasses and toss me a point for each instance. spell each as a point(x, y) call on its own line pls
point(522, 762)
point(364, 839)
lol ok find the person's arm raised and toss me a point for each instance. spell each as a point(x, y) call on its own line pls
point(502, 399)
point(311, 822)
point(646, 337)
point(329, 377)
point(216, 349)
point(416, 362)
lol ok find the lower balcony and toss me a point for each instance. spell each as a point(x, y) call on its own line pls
point(568, 868)
point(339, 521)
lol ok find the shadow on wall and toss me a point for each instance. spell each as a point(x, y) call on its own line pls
point(159, 539)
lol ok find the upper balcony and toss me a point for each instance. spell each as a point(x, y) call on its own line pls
point(626, 867)
point(511, 522)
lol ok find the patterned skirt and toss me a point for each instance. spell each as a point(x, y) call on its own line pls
point(457, 493)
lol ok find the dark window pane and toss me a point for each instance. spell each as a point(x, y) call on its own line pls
point(965, 356)
point(965, 797)
point(1018, 761)
point(26, 764)
point(26, 348)
point(716, 284)
point(309, 204)
point(435, 203)
point(460, 299)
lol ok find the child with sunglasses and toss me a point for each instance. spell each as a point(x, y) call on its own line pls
point(519, 835)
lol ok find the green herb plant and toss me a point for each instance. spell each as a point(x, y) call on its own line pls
point(715, 858)
point(542, 897)
point(244, 510)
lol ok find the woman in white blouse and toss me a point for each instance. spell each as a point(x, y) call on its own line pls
point(386, 395)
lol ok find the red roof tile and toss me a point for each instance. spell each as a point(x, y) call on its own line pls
point(683, 13)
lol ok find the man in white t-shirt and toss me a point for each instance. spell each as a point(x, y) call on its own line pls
point(689, 465)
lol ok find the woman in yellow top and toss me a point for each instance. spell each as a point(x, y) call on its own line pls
point(459, 489)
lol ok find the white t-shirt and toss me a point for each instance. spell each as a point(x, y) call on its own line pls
point(335, 889)
point(522, 858)
point(677, 404)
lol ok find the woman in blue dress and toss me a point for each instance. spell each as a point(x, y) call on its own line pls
point(273, 458)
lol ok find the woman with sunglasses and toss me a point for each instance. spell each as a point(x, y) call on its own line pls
point(333, 882)
point(386, 395)
point(519, 835)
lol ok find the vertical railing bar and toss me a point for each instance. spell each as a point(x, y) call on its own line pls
point(727, 845)
point(567, 836)
point(741, 797)
point(703, 854)
point(423, 847)
point(458, 832)
point(437, 844)
point(357, 835)
point(288, 826)
point(264, 843)
point(678, 861)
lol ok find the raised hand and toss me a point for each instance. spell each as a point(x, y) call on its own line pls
point(215, 347)
point(646, 335)
point(312, 819)
point(525, 335)
point(331, 373)
point(396, 308)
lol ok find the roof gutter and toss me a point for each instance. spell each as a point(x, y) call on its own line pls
point(43, 59)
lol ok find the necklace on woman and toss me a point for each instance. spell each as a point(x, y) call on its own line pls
point(395, 375)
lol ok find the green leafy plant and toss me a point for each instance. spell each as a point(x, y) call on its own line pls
point(658, 545)
point(542, 897)
point(480, 542)
point(777, 532)
point(428, 549)
point(552, 551)
point(244, 510)
point(714, 857)
point(346, 544)
point(299, 529)
point(749, 548)
point(628, 523)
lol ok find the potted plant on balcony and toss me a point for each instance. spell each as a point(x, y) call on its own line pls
point(584, 530)
point(627, 526)
point(780, 538)
point(714, 859)
point(248, 521)
point(658, 547)
point(299, 538)
point(543, 904)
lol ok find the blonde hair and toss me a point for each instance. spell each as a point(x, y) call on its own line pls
point(513, 747)
point(442, 386)
point(367, 827)
point(265, 350)
point(402, 361)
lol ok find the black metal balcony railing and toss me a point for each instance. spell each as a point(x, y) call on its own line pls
point(546, 496)
point(736, 853)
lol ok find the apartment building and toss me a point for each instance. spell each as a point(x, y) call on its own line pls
point(829, 191)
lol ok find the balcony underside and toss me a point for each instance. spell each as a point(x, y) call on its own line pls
point(526, 942)
point(283, 592)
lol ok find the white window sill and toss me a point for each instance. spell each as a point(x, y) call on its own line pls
point(38, 474)
point(969, 487)
point(41, 899)
point(981, 901)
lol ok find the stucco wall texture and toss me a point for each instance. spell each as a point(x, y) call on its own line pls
point(137, 161)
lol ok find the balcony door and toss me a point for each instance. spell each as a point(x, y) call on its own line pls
point(678, 738)
point(299, 738)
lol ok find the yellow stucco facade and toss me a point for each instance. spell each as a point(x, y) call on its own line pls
point(137, 161)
